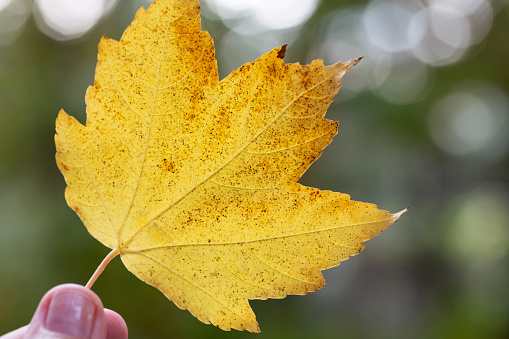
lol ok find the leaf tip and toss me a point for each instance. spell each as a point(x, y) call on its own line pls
point(255, 328)
point(282, 51)
point(61, 120)
point(399, 214)
point(61, 114)
point(354, 62)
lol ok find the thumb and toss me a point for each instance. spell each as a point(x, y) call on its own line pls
point(68, 312)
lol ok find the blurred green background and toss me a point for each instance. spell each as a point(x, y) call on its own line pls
point(424, 122)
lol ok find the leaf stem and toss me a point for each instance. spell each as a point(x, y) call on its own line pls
point(101, 267)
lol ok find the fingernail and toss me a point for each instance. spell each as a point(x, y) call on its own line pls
point(71, 313)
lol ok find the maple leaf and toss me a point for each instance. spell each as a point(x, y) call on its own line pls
point(194, 181)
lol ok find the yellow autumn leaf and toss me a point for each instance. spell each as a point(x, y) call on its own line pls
point(193, 181)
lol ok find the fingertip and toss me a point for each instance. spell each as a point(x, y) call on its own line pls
point(116, 325)
point(79, 288)
point(69, 309)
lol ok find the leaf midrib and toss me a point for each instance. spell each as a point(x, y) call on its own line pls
point(392, 217)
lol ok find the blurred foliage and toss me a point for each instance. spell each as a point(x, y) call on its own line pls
point(441, 272)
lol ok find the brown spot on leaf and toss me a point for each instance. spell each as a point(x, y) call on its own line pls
point(168, 165)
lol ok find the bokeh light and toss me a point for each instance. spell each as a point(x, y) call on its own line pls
point(410, 38)
point(13, 15)
point(65, 20)
point(345, 39)
point(4, 4)
point(409, 81)
point(479, 225)
point(473, 120)
point(246, 15)
point(441, 44)
point(451, 27)
point(387, 24)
